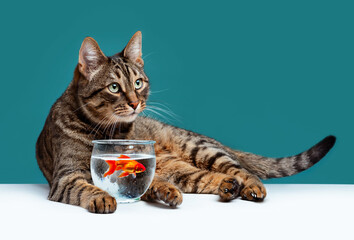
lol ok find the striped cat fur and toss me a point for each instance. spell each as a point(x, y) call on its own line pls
point(103, 101)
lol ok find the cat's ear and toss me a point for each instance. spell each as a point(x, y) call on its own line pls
point(90, 57)
point(133, 49)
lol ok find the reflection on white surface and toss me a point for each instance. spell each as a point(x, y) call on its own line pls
point(289, 212)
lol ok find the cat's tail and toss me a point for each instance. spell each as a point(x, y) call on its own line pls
point(266, 168)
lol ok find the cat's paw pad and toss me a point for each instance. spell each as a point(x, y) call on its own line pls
point(229, 189)
point(168, 194)
point(103, 203)
point(254, 192)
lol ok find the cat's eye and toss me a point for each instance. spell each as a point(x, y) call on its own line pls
point(138, 83)
point(114, 87)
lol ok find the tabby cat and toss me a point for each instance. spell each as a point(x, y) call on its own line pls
point(103, 101)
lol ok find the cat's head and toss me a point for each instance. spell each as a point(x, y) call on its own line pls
point(112, 88)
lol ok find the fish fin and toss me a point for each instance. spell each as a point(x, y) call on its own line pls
point(124, 156)
point(124, 174)
point(134, 175)
point(112, 167)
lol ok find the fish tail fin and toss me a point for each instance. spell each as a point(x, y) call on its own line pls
point(112, 167)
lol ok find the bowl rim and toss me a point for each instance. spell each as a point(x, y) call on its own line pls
point(123, 141)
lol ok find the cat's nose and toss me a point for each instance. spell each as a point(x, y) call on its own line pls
point(134, 105)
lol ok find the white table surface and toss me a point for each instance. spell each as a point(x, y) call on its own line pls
point(289, 212)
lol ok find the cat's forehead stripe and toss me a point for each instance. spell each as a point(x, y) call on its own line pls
point(117, 76)
point(127, 70)
point(134, 71)
point(124, 67)
point(131, 71)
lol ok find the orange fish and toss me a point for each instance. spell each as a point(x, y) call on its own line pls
point(128, 166)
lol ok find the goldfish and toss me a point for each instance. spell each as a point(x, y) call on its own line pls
point(128, 166)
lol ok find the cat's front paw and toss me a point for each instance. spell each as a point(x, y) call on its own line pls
point(229, 189)
point(102, 203)
point(254, 191)
point(167, 193)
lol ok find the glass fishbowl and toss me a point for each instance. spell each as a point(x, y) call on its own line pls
point(123, 168)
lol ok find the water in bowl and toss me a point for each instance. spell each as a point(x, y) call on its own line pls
point(127, 188)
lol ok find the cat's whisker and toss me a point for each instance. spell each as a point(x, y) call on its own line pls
point(110, 130)
point(120, 123)
point(146, 62)
point(113, 129)
point(172, 115)
point(167, 111)
point(97, 125)
point(106, 125)
point(149, 54)
point(115, 126)
point(159, 114)
point(101, 123)
point(158, 91)
point(144, 113)
point(158, 103)
point(96, 130)
point(163, 106)
point(149, 115)
point(81, 106)
point(111, 118)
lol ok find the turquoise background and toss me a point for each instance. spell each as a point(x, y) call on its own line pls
point(268, 77)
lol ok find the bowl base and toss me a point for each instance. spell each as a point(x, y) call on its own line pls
point(133, 200)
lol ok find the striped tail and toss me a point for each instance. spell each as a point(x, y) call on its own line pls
point(266, 168)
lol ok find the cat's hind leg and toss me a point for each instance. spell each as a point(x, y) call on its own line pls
point(252, 187)
point(221, 161)
point(191, 179)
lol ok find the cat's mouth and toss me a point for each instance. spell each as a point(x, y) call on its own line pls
point(127, 114)
point(127, 117)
